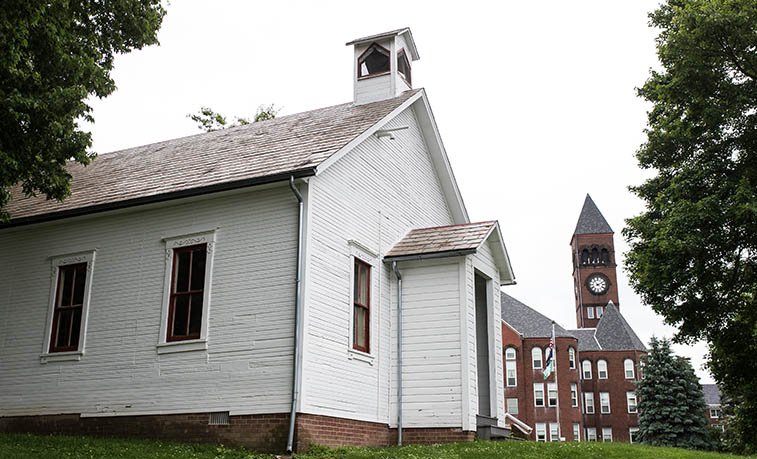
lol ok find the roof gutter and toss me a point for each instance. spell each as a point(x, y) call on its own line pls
point(215, 188)
point(426, 256)
point(297, 317)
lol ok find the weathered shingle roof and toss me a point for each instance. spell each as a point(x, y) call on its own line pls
point(614, 333)
point(466, 237)
point(591, 220)
point(711, 394)
point(586, 340)
point(527, 321)
point(288, 144)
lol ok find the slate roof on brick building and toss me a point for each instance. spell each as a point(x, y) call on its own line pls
point(711, 394)
point(527, 321)
point(586, 339)
point(241, 156)
point(591, 220)
point(614, 333)
point(464, 238)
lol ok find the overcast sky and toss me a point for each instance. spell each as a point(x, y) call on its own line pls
point(535, 103)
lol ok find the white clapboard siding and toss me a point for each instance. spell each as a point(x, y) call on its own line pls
point(373, 195)
point(431, 359)
point(248, 364)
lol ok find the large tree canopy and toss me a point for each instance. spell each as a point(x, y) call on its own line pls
point(53, 55)
point(693, 254)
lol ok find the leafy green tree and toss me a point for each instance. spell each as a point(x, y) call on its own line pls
point(671, 402)
point(693, 254)
point(53, 56)
point(208, 120)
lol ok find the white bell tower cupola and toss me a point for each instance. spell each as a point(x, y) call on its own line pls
point(382, 65)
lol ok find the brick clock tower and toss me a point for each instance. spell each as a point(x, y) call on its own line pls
point(594, 268)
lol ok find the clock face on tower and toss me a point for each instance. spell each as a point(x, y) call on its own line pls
point(598, 284)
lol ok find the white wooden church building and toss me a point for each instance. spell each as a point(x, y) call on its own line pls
point(309, 279)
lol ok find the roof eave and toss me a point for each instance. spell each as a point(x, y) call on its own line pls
point(426, 256)
point(190, 192)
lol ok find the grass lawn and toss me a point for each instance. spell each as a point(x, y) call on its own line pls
point(20, 446)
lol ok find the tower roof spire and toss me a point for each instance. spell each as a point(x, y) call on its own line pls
point(591, 220)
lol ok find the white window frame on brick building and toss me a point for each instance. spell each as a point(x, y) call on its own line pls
point(632, 432)
point(511, 406)
point(601, 369)
point(511, 372)
point(554, 432)
point(586, 369)
point(541, 432)
point(536, 358)
point(589, 402)
point(576, 432)
point(539, 389)
point(574, 395)
point(591, 434)
point(606, 434)
point(632, 402)
point(604, 402)
point(628, 368)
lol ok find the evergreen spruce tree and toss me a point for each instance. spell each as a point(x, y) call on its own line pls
point(671, 402)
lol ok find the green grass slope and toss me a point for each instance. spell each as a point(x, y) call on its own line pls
point(21, 446)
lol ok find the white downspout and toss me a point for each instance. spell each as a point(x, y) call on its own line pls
point(399, 352)
point(297, 318)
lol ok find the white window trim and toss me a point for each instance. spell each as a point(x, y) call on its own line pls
point(714, 409)
point(369, 256)
point(574, 391)
point(605, 437)
point(591, 432)
point(541, 358)
point(599, 369)
point(572, 358)
point(507, 405)
point(583, 371)
point(631, 431)
point(629, 397)
point(543, 430)
point(556, 436)
point(507, 377)
point(540, 386)
point(576, 432)
point(601, 405)
point(58, 261)
point(589, 396)
point(171, 243)
point(626, 368)
point(590, 312)
point(548, 397)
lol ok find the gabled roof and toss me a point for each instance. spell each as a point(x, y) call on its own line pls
point(392, 33)
point(711, 394)
point(591, 220)
point(452, 240)
point(527, 321)
point(614, 333)
point(297, 145)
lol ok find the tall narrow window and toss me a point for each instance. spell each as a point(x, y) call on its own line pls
point(374, 61)
point(538, 394)
point(599, 311)
point(607, 434)
point(187, 293)
point(362, 300)
point(574, 395)
point(67, 312)
point(586, 364)
point(605, 254)
point(576, 432)
point(602, 369)
point(403, 66)
point(631, 401)
point(552, 394)
point(628, 367)
point(572, 358)
point(604, 402)
point(633, 434)
point(536, 357)
point(590, 312)
point(589, 402)
point(591, 434)
point(510, 367)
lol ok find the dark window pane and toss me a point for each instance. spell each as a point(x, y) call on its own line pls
point(376, 60)
point(356, 287)
point(195, 317)
point(182, 271)
point(66, 284)
point(180, 315)
point(403, 66)
point(198, 268)
point(363, 286)
point(75, 328)
point(64, 323)
point(80, 277)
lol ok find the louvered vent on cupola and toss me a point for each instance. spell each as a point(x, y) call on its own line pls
point(382, 65)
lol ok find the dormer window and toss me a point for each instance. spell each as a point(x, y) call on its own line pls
point(403, 67)
point(374, 61)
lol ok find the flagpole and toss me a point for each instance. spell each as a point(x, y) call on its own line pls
point(557, 386)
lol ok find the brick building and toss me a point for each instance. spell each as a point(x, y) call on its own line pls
point(591, 395)
point(714, 414)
